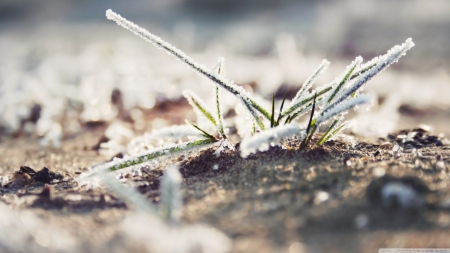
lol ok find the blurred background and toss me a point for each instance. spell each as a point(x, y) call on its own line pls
point(64, 59)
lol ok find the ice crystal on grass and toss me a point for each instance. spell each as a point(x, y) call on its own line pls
point(310, 81)
point(148, 156)
point(332, 111)
point(160, 136)
point(199, 106)
point(228, 85)
point(262, 141)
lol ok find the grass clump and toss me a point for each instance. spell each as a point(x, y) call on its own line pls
point(330, 101)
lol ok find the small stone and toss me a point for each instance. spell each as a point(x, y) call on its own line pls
point(409, 146)
point(320, 197)
point(440, 165)
point(386, 145)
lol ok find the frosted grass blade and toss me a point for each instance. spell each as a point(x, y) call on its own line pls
point(228, 85)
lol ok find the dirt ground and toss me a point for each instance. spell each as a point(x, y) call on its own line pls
point(326, 199)
point(352, 194)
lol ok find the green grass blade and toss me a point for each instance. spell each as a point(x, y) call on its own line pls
point(219, 114)
point(281, 108)
point(305, 101)
point(272, 118)
point(228, 85)
point(259, 108)
point(287, 121)
point(330, 128)
point(351, 68)
point(142, 158)
point(204, 133)
point(311, 80)
point(312, 114)
point(198, 105)
point(334, 133)
point(220, 67)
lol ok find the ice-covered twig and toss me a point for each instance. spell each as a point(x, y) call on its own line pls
point(263, 140)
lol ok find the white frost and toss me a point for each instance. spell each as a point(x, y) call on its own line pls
point(263, 140)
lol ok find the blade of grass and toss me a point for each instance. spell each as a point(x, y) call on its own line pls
point(382, 62)
point(204, 133)
point(228, 85)
point(219, 114)
point(197, 104)
point(309, 134)
point(148, 156)
point(310, 81)
point(330, 128)
point(312, 114)
point(346, 76)
point(335, 132)
point(272, 118)
point(287, 121)
point(220, 66)
point(305, 109)
point(320, 93)
point(281, 108)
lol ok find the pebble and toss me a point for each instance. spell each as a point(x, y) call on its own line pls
point(386, 145)
point(320, 197)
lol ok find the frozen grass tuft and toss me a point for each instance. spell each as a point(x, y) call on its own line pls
point(332, 100)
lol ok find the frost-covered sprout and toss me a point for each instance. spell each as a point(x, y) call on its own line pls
point(343, 98)
point(171, 195)
point(201, 109)
point(253, 107)
point(333, 100)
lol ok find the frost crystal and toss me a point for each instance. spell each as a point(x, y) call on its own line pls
point(224, 83)
point(382, 63)
point(222, 145)
point(310, 81)
point(160, 136)
point(332, 111)
point(271, 137)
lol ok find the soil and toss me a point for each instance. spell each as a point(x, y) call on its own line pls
point(330, 198)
